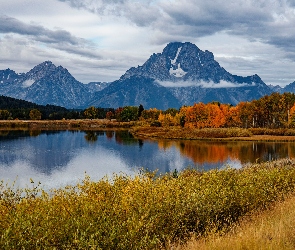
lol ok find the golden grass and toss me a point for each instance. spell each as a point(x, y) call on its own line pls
point(188, 133)
point(82, 124)
point(270, 229)
point(218, 134)
point(142, 212)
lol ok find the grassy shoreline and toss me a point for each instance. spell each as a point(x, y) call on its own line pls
point(142, 130)
point(141, 212)
point(85, 124)
point(220, 134)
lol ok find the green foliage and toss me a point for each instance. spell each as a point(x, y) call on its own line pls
point(129, 113)
point(35, 114)
point(141, 212)
point(20, 109)
point(171, 111)
point(4, 114)
point(151, 114)
point(90, 113)
point(140, 109)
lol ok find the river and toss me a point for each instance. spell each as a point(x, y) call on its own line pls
point(59, 158)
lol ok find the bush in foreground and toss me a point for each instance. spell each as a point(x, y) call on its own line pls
point(141, 212)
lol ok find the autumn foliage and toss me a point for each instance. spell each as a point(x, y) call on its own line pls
point(273, 111)
point(140, 212)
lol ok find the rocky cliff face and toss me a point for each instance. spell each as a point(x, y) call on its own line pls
point(8, 76)
point(192, 75)
point(48, 84)
point(181, 62)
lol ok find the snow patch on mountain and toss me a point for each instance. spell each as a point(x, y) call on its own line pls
point(175, 69)
point(177, 54)
point(178, 72)
point(28, 83)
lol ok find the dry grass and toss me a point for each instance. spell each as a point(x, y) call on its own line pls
point(219, 134)
point(271, 229)
point(148, 211)
point(187, 133)
point(83, 124)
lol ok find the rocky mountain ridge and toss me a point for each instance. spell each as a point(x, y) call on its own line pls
point(45, 84)
point(181, 74)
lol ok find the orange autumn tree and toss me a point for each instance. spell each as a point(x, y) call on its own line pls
point(195, 116)
point(200, 115)
point(215, 116)
point(233, 117)
point(292, 117)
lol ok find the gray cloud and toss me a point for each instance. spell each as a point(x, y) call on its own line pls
point(247, 37)
point(203, 84)
point(11, 25)
point(142, 13)
point(271, 22)
point(57, 39)
point(254, 19)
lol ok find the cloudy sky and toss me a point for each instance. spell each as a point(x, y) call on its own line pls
point(98, 40)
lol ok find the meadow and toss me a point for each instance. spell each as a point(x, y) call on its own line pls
point(146, 211)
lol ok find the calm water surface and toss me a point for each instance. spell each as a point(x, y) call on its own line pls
point(64, 157)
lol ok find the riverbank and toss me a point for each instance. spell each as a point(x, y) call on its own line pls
point(214, 134)
point(144, 211)
point(85, 124)
point(143, 130)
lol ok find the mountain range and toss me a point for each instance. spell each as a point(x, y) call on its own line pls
point(181, 75)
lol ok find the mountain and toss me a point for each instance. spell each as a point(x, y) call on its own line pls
point(181, 74)
point(8, 76)
point(46, 84)
point(276, 88)
point(181, 62)
point(96, 86)
point(290, 88)
point(192, 75)
point(134, 91)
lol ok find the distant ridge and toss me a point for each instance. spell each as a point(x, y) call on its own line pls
point(181, 74)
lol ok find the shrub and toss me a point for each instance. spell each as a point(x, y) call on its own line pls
point(141, 212)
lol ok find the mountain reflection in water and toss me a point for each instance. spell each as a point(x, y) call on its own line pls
point(58, 158)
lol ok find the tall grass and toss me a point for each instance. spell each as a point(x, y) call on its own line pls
point(188, 133)
point(270, 229)
point(142, 212)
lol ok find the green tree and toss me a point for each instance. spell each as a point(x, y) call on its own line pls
point(171, 111)
point(4, 114)
point(90, 113)
point(140, 109)
point(35, 114)
point(129, 113)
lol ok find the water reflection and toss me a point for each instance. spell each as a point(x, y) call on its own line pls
point(204, 152)
point(59, 158)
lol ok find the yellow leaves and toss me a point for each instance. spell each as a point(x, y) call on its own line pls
point(202, 115)
point(141, 212)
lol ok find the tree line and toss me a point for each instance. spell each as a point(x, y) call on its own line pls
point(271, 111)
